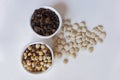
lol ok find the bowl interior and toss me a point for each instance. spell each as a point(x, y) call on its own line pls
point(60, 23)
point(52, 55)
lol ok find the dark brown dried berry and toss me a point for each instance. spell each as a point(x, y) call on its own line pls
point(44, 21)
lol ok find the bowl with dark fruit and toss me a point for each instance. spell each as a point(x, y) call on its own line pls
point(37, 58)
point(46, 22)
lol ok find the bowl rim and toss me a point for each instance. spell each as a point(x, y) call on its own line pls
point(31, 43)
point(59, 27)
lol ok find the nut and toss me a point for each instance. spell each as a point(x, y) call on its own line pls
point(59, 55)
point(82, 23)
point(91, 49)
point(76, 49)
point(100, 27)
point(103, 34)
point(67, 21)
point(75, 26)
point(63, 50)
point(83, 48)
point(67, 53)
point(100, 40)
point(44, 50)
point(74, 33)
point(67, 33)
point(65, 61)
point(48, 65)
point(72, 50)
point(66, 47)
point(43, 69)
point(61, 35)
point(37, 46)
point(63, 42)
point(92, 35)
point(40, 58)
point(79, 40)
point(74, 55)
point(40, 53)
point(43, 46)
point(29, 48)
point(69, 28)
point(84, 29)
point(29, 54)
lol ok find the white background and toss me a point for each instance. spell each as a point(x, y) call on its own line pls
point(15, 33)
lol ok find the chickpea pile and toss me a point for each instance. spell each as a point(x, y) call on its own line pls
point(76, 37)
point(37, 58)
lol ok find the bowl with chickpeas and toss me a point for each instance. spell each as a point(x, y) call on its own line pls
point(37, 57)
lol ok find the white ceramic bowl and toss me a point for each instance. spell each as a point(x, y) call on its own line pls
point(59, 27)
point(51, 55)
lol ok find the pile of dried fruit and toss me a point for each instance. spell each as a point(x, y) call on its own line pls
point(44, 22)
point(75, 38)
point(37, 58)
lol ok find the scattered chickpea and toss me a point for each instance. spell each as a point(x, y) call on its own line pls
point(72, 50)
point(76, 49)
point(65, 61)
point(61, 35)
point(66, 47)
point(59, 55)
point(103, 34)
point(63, 50)
point(63, 42)
point(100, 27)
point(84, 29)
point(74, 55)
point(77, 37)
point(100, 40)
point(93, 35)
point(60, 46)
point(82, 23)
point(67, 21)
point(68, 54)
point(75, 26)
point(69, 28)
point(91, 49)
point(83, 48)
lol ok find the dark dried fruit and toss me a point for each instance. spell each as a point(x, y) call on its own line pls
point(44, 22)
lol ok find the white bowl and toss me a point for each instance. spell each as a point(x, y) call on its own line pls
point(59, 27)
point(51, 55)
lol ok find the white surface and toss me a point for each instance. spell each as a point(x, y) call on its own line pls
point(15, 32)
